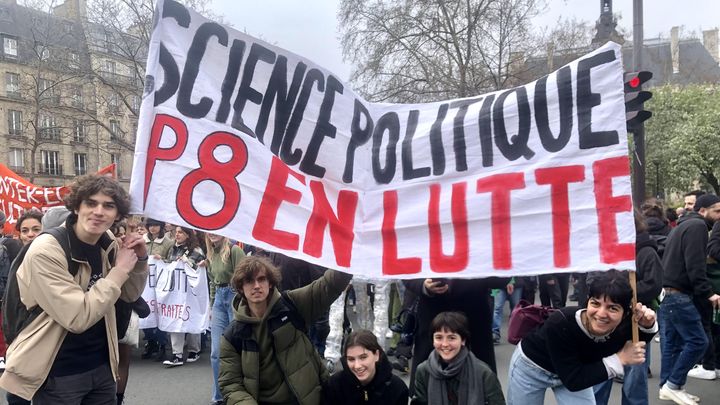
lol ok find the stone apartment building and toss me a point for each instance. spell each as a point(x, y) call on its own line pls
point(672, 61)
point(70, 98)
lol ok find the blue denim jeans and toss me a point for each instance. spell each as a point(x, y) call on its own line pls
point(527, 383)
point(222, 315)
point(682, 338)
point(634, 388)
point(500, 298)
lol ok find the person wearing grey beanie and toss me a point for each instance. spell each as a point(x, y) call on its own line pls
point(54, 216)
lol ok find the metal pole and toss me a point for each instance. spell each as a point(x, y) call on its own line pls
point(639, 134)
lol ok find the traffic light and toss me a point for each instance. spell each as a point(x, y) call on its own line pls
point(635, 98)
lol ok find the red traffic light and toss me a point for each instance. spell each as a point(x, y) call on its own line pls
point(635, 80)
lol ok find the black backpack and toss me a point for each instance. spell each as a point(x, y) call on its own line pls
point(16, 316)
point(5, 264)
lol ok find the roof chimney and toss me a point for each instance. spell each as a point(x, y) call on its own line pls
point(675, 48)
point(74, 9)
point(710, 40)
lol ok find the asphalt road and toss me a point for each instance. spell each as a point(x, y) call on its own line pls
point(152, 383)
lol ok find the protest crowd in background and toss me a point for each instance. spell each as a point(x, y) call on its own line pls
point(439, 332)
point(371, 254)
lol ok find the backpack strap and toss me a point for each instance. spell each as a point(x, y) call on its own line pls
point(60, 234)
point(295, 318)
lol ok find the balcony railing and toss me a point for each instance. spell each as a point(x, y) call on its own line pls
point(50, 170)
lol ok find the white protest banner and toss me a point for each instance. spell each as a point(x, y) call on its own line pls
point(245, 139)
point(178, 297)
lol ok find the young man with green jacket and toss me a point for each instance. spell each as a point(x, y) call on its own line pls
point(265, 355)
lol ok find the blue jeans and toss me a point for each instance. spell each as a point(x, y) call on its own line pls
point(527, 383)
point(500, 298)
point(634, 388)
point(222, 315)
point(682, 338)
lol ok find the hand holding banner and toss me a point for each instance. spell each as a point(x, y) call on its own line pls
point(260, 145)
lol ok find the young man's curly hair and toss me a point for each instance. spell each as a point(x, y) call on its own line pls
point(249, 267)
point(86, 186)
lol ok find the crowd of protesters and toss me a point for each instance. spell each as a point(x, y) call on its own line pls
point(280, 331)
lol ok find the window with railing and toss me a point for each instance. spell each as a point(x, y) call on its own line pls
point(80, 163)
point(114, 103)
point(10, 47)
point(135, 101)
point(46, 91)
point(76, 96)
point(42, 52)
point(74, 60)
point(115, 131)
point(12, 85)
point(15, 124)
point(115, 158)
point(16, 160)
point(50, 163)
point(79, 131)
point(49, 128)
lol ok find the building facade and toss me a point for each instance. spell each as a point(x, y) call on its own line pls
point(70, 100)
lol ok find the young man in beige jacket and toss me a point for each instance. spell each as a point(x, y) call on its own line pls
point(68, 354)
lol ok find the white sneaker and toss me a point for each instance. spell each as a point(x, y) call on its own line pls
point(691, 396)
point(680, 397)
point(699, 372)
point(657, 338)
point(2, 363)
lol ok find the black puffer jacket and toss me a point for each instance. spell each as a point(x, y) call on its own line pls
point(385, 389)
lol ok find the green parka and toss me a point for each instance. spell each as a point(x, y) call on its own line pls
point(271, 359)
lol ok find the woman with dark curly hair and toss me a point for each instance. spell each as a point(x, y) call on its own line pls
point(29, 225)
point(578, 348)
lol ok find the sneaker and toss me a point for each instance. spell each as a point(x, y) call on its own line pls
point(657, 339)
point(678, 396)
point(2, 363)
point(151, 348)
point(401, 365)
point(176, 361)
point(496, 339)
point(192, 357)
point(691, 396)
point(330, 365)
point(700, 372)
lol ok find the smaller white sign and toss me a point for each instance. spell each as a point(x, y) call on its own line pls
point(178, 297)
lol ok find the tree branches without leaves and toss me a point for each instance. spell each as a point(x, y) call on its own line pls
point(423, 50)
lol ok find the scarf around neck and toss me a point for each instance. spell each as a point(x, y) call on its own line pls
point(469, 391)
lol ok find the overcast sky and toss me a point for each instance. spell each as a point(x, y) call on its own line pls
point(309, 27)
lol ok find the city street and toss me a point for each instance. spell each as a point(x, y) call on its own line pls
point(152, 383)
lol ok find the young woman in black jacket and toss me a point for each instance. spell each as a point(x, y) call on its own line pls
point(366, 377)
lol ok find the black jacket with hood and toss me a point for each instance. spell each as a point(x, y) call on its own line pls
point(685, 255)
point(385, 388)
point(649, 268)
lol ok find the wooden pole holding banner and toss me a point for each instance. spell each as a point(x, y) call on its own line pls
point(635, 330)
